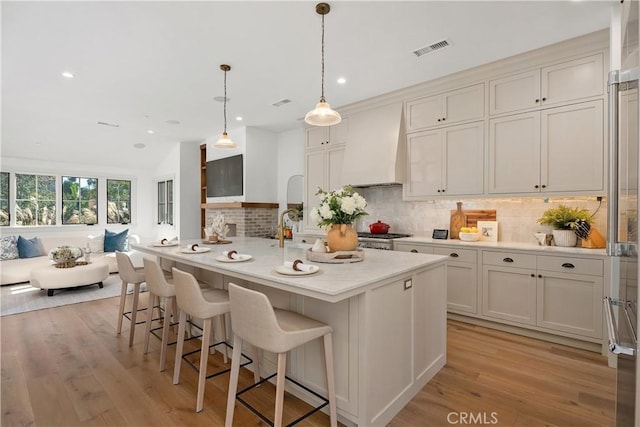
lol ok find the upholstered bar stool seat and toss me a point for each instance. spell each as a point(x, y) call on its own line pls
point(204, 305)
point(255, 321)
point(129, 274)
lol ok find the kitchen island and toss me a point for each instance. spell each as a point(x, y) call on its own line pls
point(388, 313)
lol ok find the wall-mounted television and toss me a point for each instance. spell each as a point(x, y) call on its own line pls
point(224, 177)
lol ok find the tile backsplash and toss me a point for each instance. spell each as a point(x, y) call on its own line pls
point(516, 216)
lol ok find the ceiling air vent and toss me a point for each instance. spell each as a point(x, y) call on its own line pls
point(281, 102)
point(109, 124)
point(431, 48)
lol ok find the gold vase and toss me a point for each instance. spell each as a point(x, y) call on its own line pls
point(342, 237)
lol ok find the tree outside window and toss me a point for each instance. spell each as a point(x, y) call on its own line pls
point(35, 199)
point(118, 201)
point(4, 198)
point(79, 200)
point(165, 202)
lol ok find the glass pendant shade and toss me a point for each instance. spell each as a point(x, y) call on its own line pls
point(322, 115)
point(224, 142)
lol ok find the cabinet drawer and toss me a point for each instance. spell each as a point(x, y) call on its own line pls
point(410, 247)
point(456, 254)
point(592, 267)
point(507, 259)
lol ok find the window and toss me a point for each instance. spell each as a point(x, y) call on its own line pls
point(118, 201)
point(4, 198)
point(165, 202)
point(35, 199)
point(79, 200)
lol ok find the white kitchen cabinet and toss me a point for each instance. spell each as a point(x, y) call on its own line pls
point(323, 169)
point(554, 85)
point(321, 136)
point(556, 150)
point(445, 162)
point(462, 274)
point(509, 287)
point(456, 106)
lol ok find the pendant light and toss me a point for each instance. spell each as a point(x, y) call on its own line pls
point(224, 141)
point(322, 115)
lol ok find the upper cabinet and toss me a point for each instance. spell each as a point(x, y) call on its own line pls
point(555, 150)
point(446, 108)
point(549, 86)
point(322, 136)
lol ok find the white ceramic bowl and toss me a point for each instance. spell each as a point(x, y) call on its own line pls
point(469, 237)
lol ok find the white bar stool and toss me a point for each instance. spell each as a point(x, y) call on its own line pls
point(129, 274)
point(159, 287)
point(255, 321)
point(202, 305)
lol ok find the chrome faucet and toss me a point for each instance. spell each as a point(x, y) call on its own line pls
point(281, 225)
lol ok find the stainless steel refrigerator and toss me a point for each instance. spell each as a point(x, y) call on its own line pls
point(622, 234)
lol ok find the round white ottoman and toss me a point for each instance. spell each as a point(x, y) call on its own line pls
point(51, 278)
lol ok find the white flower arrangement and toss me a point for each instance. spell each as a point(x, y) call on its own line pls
point(341, 206)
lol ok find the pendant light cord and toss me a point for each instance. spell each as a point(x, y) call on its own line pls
point(225, 101)
point(322, 79)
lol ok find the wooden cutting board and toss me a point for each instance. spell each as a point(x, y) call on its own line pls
point(475, 215)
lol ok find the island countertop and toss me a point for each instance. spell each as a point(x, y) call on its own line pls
point(332, 283)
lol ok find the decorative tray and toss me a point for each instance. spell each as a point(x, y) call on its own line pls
point(338, 257)
point(217, 242)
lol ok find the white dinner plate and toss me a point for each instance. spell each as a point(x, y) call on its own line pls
point(290, 272)
point(197, 251)
point(161, 245)
point(241, 257)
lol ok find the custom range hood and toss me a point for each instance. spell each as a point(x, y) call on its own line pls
point(375, 151)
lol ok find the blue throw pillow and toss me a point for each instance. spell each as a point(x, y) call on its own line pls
point(29, 248)
point(8, 248)
point(116, 242)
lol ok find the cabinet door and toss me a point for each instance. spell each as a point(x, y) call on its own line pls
point(514, 154)
point(509, 294)
point(334, 156)
point(570, 303)
point(412, 247)
point(572, 148)
point(317, 136)
point(573, 80)
point(464, 159)
point(424, 160)
point(514, 93)
point(463, 104)
point(462, 287)
point(314, 178)
point(339, 134)
point(423, 113)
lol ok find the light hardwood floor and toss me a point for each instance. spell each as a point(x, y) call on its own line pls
point(66, 366)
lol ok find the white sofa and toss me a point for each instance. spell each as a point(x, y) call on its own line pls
point(19, 270)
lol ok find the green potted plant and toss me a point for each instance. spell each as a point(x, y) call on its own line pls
point(564, 220)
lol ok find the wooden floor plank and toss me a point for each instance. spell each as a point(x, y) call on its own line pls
point(67, 366)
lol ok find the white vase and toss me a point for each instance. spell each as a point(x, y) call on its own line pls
point(567, 238)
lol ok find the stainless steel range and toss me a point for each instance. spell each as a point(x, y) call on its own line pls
point(378, 241)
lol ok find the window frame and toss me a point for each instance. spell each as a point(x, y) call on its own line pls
point(8, 199)
point(38, 201)
point(108, 200)
point(165, 204)
point(80, 201)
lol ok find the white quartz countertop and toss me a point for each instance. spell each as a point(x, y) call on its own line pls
point(333, 282)
point(559, 250)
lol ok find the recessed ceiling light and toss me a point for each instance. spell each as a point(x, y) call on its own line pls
point(68, 75)
point(342, 80)
point(113, 125)
point(239, 118)
point(150, 131)
point(139, 145)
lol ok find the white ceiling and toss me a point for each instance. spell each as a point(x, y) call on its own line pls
point(141, 64)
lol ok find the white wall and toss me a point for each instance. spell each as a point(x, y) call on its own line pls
point(187, 194)
point(261, 163)
point(290, 160)
point(168, 168)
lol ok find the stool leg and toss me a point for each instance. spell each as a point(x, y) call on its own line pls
point(147, 326)
point(123, 298)
point(223, 328)
point(256, 364)
point(134, 312)
point(233, 380)
point(282, 367)
point(331, 385)
point(168, 308)
point(207, 328)
point(179, 347)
